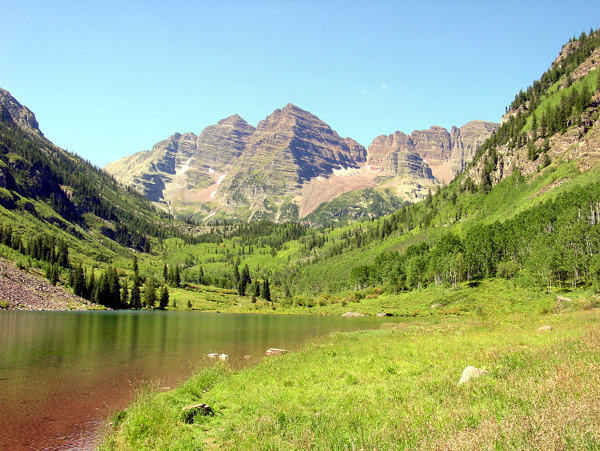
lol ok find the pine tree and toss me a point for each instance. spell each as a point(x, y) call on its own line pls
point(163, 297)
point(149, 293)
point(266, 291)
point(177, 277)
point(532, 152)
point(52, 273)
point(91, 286)
point(244, 280)
point(135, 301)
point(125, 296)
point(257, 289)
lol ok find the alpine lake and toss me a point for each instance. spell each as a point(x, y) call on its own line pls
point(62, 374)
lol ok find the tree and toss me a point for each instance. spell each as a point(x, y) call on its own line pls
point(257, 289)
point(135, 301)
point(266, 291)
point(91, 286)
point(163, 297)
point(124, 296)
point(177, 277)
point(52, 273)
point(149, 293)
point(245, 279)
point(532, 152)
point(77, 280)
point(136, 269)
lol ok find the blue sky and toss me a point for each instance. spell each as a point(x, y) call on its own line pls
point(110, 78)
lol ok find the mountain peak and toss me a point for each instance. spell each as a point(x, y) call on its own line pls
point(291, 106)
point(233, 119)
point(21, 115)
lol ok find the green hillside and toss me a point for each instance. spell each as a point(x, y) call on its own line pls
point(525, 211)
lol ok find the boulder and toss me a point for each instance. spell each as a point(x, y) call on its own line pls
point(276, 351)
point(543, 328)
point(353, 314)
point(382, 314)
point(470, 373)
point(189, 413)
point(223, 356)
point(212, 355)
point(562, 299)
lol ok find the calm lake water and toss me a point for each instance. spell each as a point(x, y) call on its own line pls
point(63, 373)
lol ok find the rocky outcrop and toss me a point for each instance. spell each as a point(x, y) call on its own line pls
point(232, 164)
point(11, 109)
point(276, 351)
point(353, 314)
point(465, 142)
point(429, 154)
point(20, 290)
point(184, 164)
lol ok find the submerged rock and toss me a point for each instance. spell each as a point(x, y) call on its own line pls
point(470, 373)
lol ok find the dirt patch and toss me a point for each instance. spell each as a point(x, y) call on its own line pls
point(441, 170)
point(320, 189)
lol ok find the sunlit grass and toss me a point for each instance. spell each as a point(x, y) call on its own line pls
point(396, 389)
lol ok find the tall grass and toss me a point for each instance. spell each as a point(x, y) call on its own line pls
point(395, 388)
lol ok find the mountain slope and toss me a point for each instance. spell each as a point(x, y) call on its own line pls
point(50, 198)
point(289, 165)
point(526, 210)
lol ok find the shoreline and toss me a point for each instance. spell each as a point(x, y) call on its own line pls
point(385, 388)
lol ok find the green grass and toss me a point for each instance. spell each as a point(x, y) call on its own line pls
point(394, 388)
point(486, 299)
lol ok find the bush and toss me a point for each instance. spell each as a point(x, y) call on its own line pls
point(507, 270)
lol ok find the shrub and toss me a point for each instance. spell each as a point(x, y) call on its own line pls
point(507, 270)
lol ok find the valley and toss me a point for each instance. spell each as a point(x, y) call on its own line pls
point(481, 235)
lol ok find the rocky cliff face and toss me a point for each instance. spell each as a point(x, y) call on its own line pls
point(429, 154)
point(396, 154)
point(288, 165)
point(21, 115)
point(465, 142)
point(288, 148)
point(232, 164)
point(184, 164)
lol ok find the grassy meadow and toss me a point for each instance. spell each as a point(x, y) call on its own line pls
point(397, 388)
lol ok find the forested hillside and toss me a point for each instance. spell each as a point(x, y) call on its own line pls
point(60, 213)
point(526, 210)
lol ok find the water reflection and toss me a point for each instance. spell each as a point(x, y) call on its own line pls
point(61, 373)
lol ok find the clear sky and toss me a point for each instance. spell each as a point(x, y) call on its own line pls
point(110, 78)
